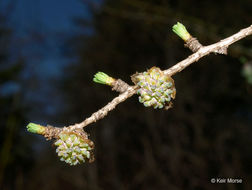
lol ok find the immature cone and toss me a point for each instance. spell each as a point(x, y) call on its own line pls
point(74, 147)
point(156, 88)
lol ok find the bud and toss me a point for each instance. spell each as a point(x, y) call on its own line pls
point(103, 78)
point(156, 88)
point(74, 147)
point(181, 31)
point(35, 128)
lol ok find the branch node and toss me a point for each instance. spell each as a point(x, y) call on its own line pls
point(193, 44)
point(221, 50)
point(52, 132)
point(120, 86)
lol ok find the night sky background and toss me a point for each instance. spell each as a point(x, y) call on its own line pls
point(49, 52)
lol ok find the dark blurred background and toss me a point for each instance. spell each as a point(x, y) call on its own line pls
point(49, 52)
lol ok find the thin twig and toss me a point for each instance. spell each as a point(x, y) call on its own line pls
point(104, 111)
point(218, 47)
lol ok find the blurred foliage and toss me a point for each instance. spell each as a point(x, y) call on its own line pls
point(247, 72)
point(247, 69)
point(14, 150)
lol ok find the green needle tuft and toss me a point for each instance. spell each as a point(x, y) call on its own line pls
point(181, 31)
point(35, 128)
point(103, 78)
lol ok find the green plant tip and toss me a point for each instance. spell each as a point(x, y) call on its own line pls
point(35, 128)
point(181, 31)
point(103, 78)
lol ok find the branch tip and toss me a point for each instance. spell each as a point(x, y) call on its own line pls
point(103, 78)
point(181, 31)
point(35, 128)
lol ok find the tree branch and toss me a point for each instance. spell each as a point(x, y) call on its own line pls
point(127, 91)
point(219, 47)
point(104, 111)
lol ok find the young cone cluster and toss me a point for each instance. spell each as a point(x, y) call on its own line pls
point(74, 147)
point(156, 88)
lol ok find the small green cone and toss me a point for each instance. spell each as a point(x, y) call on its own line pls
point(155, 88)
point(181, 31)
point(35, 128)
point(74, 148)
point(103, 78)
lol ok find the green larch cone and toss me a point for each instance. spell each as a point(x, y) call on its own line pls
point(103, 78)
point(181, 31)
point(74, 147)
point(156, 88)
